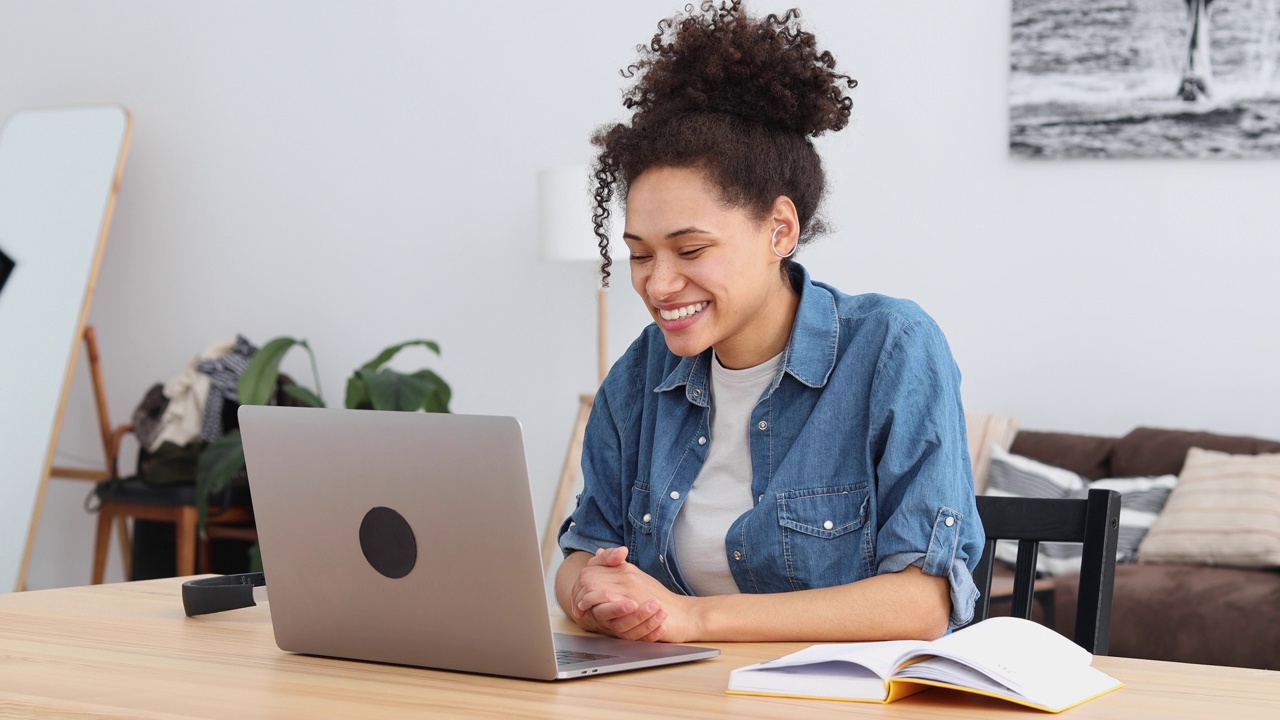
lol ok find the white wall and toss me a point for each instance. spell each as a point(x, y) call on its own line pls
point(362, 173)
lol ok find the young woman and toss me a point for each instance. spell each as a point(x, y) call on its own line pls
point(772, 459)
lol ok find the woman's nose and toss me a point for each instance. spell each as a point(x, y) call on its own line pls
point(664, 280)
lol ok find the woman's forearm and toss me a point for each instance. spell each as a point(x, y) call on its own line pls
point(895, 606)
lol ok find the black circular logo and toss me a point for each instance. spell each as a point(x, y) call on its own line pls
point(388, 542)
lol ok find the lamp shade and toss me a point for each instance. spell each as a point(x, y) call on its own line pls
point(565, 205)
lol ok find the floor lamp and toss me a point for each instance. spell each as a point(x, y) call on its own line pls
point(566, 235)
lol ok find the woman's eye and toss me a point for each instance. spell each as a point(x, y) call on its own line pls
point(691, 252)
point(639, 258)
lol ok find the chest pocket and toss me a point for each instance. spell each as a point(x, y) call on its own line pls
point(827, 537)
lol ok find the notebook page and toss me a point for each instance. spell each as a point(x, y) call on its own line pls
point(1078, 685)
point(1025, 656)
point(846, 670)
point(878, 657)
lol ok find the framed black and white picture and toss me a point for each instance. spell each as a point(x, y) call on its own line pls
point(1145, 78)
point(6, 267)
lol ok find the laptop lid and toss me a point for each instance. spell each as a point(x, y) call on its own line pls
point(408, 538)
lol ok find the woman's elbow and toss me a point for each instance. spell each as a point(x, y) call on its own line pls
point(934, 622)
point(931, 608)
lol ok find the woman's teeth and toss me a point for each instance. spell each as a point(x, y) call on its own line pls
point(683, 312)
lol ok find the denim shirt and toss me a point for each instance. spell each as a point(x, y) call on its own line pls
point(860, 464)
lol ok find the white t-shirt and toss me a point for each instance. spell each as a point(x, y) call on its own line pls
point(722, 491)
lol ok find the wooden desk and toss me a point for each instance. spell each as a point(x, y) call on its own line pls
point(127, 650)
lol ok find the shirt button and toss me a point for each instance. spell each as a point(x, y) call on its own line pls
point(761, 498)
point(697, 393)
point(675, 495)
point(828, 525)
point(737, 555)
point(950, 521)
point(647, 517)
point(662, 559)
point(702, 440)
point(763, 425)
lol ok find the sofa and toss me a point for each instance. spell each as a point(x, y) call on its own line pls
point(1199, 613)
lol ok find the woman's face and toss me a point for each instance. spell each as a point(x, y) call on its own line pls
point(706, 271)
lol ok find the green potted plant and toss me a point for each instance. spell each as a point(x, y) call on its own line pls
point(372, 386)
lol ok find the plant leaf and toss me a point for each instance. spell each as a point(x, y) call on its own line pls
point(298, 392)
point(390, 352)
point(259, 378)
point(390, 390)
point(439, 394)
point(358, 393)
point(217, 465)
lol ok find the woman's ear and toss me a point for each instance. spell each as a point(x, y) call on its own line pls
point(784, 226)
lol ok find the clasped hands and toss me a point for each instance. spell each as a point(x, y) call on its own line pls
point(614, 597)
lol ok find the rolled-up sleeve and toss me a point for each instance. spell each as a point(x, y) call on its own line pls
point(926, 510)
point(597, 520)
point(940, 560)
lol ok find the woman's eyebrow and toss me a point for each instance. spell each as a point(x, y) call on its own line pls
point(671, 235)
point(686, 231)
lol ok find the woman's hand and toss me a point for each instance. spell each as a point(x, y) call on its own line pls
point(627, 619)
point(622, 600)
point(597, 600)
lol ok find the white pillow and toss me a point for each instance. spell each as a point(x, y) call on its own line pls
point(1141, 500)
point(1016, 476)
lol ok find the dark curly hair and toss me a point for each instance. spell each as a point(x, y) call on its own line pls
point(736, 97)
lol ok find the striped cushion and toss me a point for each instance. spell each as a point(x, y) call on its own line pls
point(1225, 511)
point(1141, 500)
point(1016, 476)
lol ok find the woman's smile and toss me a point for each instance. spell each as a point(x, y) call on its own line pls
point(681, 317)
point(682, 312)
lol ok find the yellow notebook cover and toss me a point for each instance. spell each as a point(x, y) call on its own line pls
point(1007, 658)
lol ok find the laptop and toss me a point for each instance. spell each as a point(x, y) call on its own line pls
point(410, 538)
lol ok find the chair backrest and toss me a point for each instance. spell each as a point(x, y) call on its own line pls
point(1095, 522)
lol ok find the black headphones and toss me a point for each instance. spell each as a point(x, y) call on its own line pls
point(227, 592)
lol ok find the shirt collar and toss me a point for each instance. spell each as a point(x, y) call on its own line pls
point(811, 351)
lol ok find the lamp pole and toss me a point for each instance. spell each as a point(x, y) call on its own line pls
point(567, 235)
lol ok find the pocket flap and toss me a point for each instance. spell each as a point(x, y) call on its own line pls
point(824, 512)
point(639, 512)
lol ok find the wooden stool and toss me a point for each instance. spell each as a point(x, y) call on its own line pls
point(124, 498)
point(131, 498)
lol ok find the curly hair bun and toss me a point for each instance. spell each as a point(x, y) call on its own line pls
point(718, 59)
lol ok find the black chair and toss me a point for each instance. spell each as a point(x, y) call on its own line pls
point(1095, 522)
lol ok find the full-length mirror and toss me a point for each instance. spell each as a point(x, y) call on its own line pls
point(59, 170)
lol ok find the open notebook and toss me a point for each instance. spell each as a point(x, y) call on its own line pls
point(1007, 658)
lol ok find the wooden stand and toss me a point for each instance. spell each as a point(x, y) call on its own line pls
point(104, 416)
point(573, 457)
point(602, 335)
point(108, 445)
point(568, 480)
